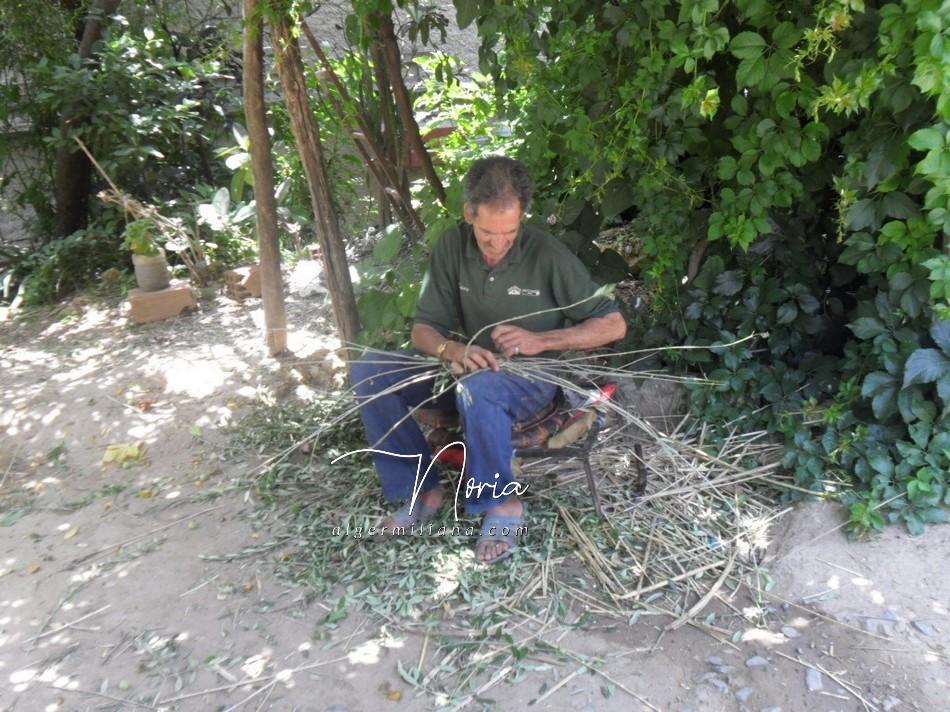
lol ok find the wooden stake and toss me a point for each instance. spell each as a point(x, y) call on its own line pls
point(391, 56)
point(307, 136)
point(272, 288)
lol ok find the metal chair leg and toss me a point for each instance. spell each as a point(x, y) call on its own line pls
point(594, 495)
point(641, 485)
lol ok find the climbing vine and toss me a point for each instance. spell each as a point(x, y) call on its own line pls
point(786, 170)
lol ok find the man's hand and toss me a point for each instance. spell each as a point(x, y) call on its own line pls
point(515, 341)
point(472, 359)
point(427, 340)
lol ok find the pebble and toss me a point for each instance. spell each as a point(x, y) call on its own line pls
point(715, 681)
point(714, 660)
point(771, 709)
point(744, 694)
point(756, 661)
point(790, 632)
point(813, 680)
point(925, 628)
point(336, 708)
point(873, 625)
point(889, 615)
point(889, 704)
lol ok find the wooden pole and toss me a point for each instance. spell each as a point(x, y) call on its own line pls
point(272, 292)
point(307, 137)
point(393, 62)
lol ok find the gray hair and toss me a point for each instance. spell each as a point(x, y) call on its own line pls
point(497, 179)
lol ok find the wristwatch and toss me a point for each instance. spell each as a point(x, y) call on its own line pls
point(441, 350)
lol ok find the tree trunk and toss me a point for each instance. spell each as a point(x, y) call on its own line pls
point(73, 169)
point(307, 137)
point(393, 62)
point(272, 293)
point(374, 157)
point(389, 141)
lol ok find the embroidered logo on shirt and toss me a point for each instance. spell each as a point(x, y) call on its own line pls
point(516, 291)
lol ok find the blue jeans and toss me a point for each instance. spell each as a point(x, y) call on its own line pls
point(488, 403)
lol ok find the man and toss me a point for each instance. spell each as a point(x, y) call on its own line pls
point(536, 298)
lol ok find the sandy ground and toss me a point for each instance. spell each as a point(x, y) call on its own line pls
point(152, 585)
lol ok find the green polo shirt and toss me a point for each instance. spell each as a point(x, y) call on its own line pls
point(463, 294)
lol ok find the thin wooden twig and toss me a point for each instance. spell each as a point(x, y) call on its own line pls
point(67, 625)
point(106, 549)
point(251, 681)
point(564, 680)
point(852, 689)
point(704, 601)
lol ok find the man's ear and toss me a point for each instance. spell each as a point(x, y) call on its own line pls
point(469, 213)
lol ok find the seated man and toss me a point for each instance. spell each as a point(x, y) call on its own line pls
point(489, 270)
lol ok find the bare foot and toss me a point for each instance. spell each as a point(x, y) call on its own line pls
point(488, 550)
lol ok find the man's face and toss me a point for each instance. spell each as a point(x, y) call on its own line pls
point(496, 227)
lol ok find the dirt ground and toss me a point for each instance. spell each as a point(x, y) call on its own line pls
point(152, 585)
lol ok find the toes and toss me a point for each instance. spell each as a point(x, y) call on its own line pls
point(491, 550)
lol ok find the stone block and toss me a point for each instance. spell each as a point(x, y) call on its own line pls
point(661, 403)
point(162, 304)
point(243, 282)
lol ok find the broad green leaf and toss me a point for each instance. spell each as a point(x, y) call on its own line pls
point(747, 45)
point(927, 139)
point(898, 205)
point(867, 327)
point(388, 247)
point(618, 196)
point(727, 167)
point(785, 35)
point(914, 525)
point(786, 102)
point(610, 268)
point(786, 313)
point(881, 462)
point(940, 333)
point(934, 515)
point(466, 11)
point(925, 366)
point(750, 72)
point(728, 283)
point(811, 149)
point(809, 304)
point(877, 381)
point(862, 215)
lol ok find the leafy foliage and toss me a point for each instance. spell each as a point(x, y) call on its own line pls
point(151, 104)
point(795, 166)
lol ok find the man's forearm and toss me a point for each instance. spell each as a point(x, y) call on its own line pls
point(589, 334)
point(426, 339)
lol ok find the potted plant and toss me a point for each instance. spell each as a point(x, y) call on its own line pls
point(148, 258)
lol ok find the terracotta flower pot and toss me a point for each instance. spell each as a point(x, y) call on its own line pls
point(151, 272)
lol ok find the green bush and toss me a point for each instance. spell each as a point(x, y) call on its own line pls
point(63, 266)
point(786, 171)
point(154, 108)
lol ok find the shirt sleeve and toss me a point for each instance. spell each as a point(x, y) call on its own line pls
point(438, 304)
point(574, 288)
